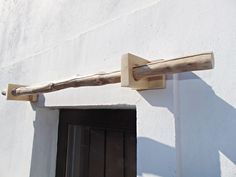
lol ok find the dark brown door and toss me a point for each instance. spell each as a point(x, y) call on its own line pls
point(97, 143)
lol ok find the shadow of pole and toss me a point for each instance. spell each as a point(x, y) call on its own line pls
point(43, 158)
point(159, 163)
point(207, 127)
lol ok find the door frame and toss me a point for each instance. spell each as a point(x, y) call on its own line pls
point(80, 117)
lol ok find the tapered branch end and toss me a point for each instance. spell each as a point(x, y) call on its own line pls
point(4, 92)
point(11, 94)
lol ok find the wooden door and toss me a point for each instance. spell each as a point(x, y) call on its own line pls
point(97, 143)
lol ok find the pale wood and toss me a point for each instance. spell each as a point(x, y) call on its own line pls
point(128, 62)
point(10, 96)
point(77, 81)
point(189, 63)
point(183, 64)
point(156, 82)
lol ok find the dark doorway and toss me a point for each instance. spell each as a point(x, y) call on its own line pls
point(96, 143)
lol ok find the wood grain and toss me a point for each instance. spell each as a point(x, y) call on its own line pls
point(188, 63)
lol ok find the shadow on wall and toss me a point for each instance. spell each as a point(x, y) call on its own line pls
point(159, 163)
point(44, 143)
point(161, 97)
point(207, 128)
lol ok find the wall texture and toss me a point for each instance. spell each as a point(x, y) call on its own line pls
point(185, 130)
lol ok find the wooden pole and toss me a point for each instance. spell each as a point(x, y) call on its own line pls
point(189, 63)
point(90, 80)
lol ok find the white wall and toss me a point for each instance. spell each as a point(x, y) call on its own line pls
point(184, 130)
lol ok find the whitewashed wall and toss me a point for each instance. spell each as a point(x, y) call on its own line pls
point(185, 130)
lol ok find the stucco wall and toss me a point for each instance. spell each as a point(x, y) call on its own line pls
point(184, 130)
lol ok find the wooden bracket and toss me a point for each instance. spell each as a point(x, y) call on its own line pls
point(129, 61)
point(10, 87)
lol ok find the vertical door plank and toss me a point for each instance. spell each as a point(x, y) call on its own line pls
point(114, 154)
point(96, 153)
point(73, 151)
point(62, 148)
point(130, 154)
point(84, 152)
point(77, 151)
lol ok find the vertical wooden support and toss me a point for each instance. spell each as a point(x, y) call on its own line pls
point(10, 87)
point(129, 61)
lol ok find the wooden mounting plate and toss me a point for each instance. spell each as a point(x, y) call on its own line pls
point(129, 61)
point(10, 87)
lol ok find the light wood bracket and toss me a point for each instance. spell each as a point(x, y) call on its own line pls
point(10, 96)
point(128, 62)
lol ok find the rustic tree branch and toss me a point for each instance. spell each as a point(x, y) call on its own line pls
point(189, 63)
point(90, 80)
